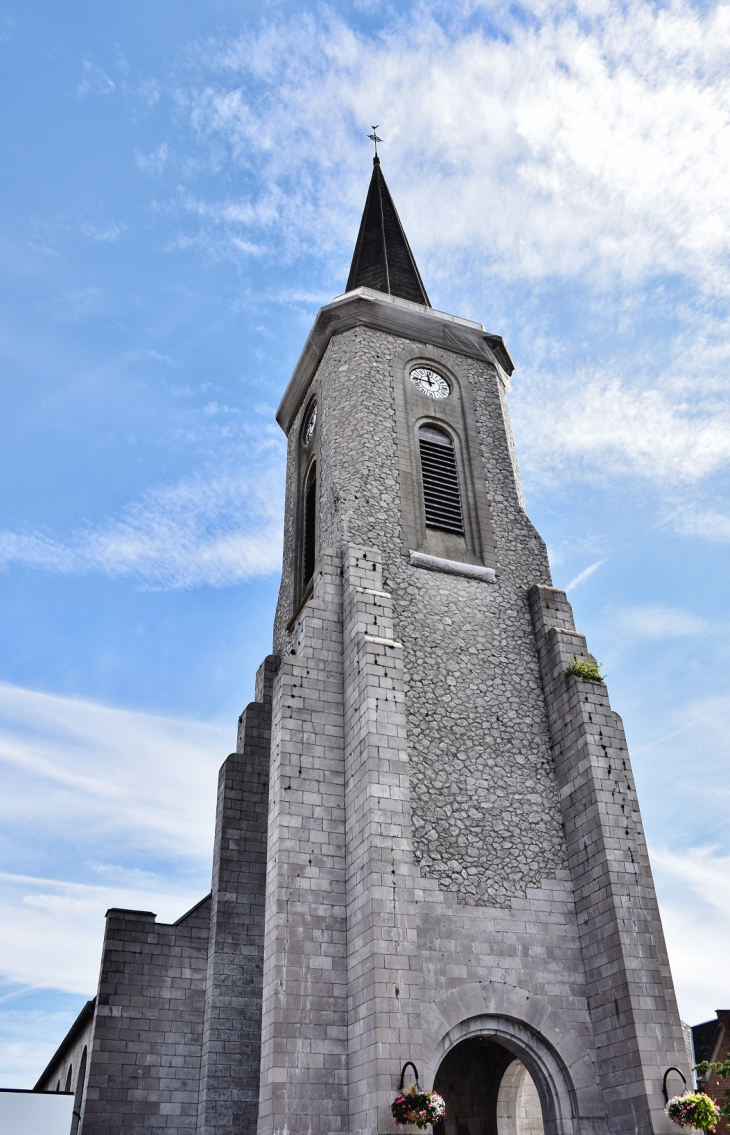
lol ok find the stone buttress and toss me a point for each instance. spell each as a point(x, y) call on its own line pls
point(634, 1012)
point(231, 1042)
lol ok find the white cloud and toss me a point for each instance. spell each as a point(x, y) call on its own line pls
point(656, 622)
point(594, 426)
point(153, 164)
point(684, 789)
point(217, 529)
point(77, 305)
point(73, 766)
point(149, 92)
point(106, 233)
point(707, 524)
point(95, 80)
point(589, 141)
point(51, 932)
point(566, 144)
point(213, 409)
point(695, 906)
point(28, 1039)
point(117, 786)
point(689, 779)
point(585, 574)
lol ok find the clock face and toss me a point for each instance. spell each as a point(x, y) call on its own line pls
point(430, 383)
point(309, 428)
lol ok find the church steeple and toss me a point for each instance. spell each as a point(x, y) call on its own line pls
point(383, 259)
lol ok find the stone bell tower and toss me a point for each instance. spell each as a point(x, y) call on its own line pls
point(428, 845)
point(457, 872)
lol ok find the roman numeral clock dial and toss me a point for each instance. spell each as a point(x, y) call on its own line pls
point(430, 383)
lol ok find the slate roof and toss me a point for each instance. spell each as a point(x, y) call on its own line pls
point(383, 259)
point(705, 1039)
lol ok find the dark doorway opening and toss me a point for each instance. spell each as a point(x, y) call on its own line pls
point(488, 1091)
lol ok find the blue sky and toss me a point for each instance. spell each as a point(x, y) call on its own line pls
point(183, 185)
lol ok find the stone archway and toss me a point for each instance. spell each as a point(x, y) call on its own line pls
point(552, 1081)
point(488, 1091)
point(527, 1028)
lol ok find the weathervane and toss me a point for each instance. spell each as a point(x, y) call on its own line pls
point(374, 139)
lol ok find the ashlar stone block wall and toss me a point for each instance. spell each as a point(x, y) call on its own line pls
point(383, 966)
point(144, 1067)
point(304, 1023)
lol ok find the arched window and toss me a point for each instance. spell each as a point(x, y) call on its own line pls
point(68, 1078)
point(441, 495)
point(309, 525)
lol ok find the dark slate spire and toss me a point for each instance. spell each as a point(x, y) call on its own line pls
point(383, 259)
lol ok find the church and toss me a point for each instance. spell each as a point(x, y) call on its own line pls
point(429, 860)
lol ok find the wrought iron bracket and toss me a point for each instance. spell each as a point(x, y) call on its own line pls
point(665, 1093)
point(408, 1064)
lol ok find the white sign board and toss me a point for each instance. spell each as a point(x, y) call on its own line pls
point(35, 1113)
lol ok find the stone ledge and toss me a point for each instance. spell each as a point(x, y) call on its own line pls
point(452, 567)
point(382, 312)
point(382, 641)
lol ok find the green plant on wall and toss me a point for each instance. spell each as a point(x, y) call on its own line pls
point(721, 1069)
point(587, 669)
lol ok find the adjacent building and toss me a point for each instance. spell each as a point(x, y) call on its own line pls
point(711, 1042)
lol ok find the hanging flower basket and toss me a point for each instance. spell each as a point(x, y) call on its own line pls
point(694, 1109)
point(415, 1106)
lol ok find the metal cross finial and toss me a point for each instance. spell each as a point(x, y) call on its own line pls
point(374, 139)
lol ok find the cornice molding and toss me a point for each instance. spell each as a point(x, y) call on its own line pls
point(367, 308)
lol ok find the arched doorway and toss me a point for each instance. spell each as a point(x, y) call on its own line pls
point(488, 1091)
point(530, 1030)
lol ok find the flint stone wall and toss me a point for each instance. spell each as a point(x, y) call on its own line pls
point(485, 810)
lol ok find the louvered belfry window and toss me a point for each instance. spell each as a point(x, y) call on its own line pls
point(310, 525)
point(441, 495)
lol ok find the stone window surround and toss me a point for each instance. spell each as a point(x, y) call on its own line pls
point(456, 415)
